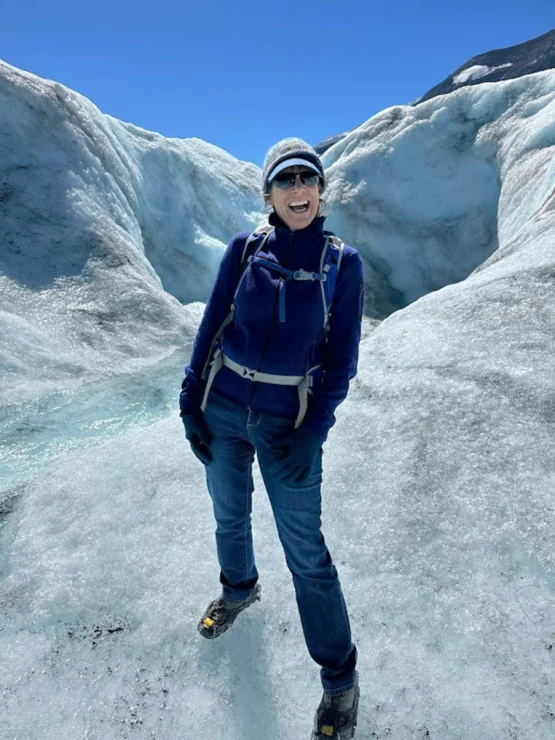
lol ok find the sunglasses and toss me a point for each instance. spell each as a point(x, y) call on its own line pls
point(283, 181)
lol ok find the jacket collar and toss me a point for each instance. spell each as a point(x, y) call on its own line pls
point(315, 227)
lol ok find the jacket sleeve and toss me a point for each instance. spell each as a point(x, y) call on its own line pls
point(341, 352)
point(217, 308)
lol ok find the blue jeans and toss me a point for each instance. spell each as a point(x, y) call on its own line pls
point(237, 434)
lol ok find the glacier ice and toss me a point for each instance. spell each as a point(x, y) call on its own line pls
point(439, 481)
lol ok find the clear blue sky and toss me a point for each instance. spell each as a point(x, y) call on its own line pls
point(243, 74)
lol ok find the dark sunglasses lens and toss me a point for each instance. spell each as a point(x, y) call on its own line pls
point(310, 179)
point(285, 180)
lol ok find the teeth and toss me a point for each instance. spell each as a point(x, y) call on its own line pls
point(300, 203)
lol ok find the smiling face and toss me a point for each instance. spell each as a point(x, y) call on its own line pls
point(296, 206)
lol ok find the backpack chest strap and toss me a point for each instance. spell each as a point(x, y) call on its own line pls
point(287, 275)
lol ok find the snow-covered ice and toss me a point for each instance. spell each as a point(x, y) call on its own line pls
point(512, 62)
point(477, 71)
point(439, 479)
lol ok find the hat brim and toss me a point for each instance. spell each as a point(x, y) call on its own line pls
point(291, 163)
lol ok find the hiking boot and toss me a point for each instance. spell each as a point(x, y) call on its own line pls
point(220, 614)
point(336, 717)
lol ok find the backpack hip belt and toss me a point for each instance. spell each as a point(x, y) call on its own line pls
point(303, 382)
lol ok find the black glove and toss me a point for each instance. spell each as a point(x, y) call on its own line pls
point(198, 435)
point(301, 450)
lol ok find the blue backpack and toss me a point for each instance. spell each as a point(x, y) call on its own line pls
point(330, 263)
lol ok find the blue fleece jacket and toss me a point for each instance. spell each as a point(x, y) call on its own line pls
point(258, 339)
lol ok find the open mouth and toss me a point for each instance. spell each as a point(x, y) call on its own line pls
point(299, 206)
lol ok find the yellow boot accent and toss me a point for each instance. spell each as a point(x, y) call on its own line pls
point(327, 730)
point(208, 622)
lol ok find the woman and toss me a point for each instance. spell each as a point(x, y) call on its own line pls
point(265, 376)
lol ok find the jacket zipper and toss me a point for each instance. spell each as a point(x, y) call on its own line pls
point(270, 332)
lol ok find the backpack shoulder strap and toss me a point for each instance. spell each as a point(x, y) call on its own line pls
point(260, 235)
point(332, 254)
point(259, 238)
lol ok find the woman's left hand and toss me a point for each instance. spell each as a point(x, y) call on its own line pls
point(302, 447)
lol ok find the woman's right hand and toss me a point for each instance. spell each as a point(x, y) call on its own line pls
point(198, 435)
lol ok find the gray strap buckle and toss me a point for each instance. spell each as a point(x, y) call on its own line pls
point(303, 275)
point(248, 373)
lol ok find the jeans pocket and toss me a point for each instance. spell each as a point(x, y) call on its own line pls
point(202, 453)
